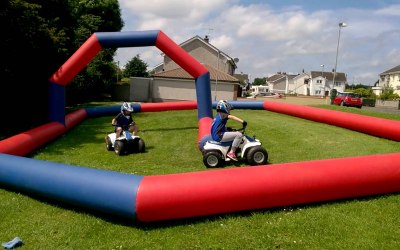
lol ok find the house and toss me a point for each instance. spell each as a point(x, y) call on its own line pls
point(204, 52)
point(170, 82)
point(313, 83)
point(177, 84)
point(390, 78)
point(299, 85)
point(279, 82)
point(244, 83)
point(321, 83)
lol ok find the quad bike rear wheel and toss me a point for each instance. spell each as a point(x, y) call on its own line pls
point(257, 156)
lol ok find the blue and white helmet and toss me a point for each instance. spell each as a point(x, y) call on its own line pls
point(126, 106)
point(224, 106)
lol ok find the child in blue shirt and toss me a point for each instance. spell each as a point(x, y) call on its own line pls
point(218, 128)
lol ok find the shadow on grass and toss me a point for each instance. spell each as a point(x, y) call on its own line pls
point(168, 129)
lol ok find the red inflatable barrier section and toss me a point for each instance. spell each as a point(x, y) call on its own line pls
point(185, 195)
point(366, 124)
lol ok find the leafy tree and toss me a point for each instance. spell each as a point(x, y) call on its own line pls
point(36, 38)
point(364, 92)
point(39, 36)
point(388, 93)
point(356, 86)
point(136, 67)
point(260, 81)
point(99, 75)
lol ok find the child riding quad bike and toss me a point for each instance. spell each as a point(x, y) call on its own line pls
point(228, 144)
point(124, 139)
point(125, 144)
point(249, 149)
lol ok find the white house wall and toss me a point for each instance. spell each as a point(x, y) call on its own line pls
point(317, 88)
point(173, 89)
point(280, 87)
point(298, 86)
point(204, 54)
point(185, 90)
point(393, 80)
point(224, 91)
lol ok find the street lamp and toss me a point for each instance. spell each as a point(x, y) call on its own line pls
point(322, 75)
point(323, 67)
point(341, 25)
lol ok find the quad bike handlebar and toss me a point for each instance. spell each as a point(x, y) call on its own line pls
point(230, 129)
point(242, 129)
point(124, 127)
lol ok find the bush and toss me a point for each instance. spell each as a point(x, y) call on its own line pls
point(370, 102)
point(333, 95)
point(364, 92)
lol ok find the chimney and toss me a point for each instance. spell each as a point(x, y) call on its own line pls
point(206, 39)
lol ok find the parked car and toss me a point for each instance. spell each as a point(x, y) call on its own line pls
point(348, 99)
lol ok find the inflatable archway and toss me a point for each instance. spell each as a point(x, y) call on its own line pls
point(165, 197)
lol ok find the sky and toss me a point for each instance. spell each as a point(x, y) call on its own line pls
point(273, 36)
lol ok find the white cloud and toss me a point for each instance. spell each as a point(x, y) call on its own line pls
point(269, 38)
point(392, 10)
point(223, 42)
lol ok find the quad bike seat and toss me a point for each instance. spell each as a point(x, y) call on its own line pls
point(224, 144)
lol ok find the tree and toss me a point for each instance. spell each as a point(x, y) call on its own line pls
point(39, 36)
point(136, 67)
point(356, 86)
point(99, 75)
point(388, 93)
point(362, 92)
point(260, 81)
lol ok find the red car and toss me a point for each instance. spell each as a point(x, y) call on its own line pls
point(348, 99)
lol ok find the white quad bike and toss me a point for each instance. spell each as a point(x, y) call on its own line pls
point(125, 144)
point(250, 149)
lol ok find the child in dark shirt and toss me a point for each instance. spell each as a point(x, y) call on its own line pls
point(125, 120)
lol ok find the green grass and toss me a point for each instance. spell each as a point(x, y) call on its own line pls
point(171, 147)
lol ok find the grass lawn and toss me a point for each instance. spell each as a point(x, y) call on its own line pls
point(171, 147)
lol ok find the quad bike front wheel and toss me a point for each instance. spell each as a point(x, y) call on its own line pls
point(141, 146)
point(212, 159)
point(257, 156)
point(109, 145)
point(119, 147)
